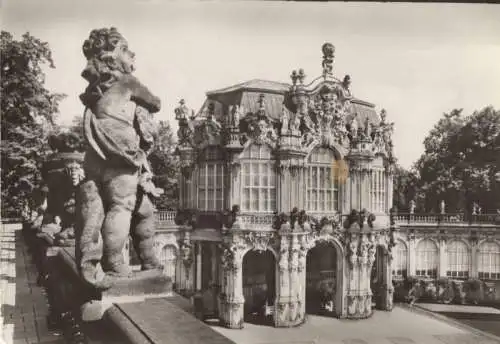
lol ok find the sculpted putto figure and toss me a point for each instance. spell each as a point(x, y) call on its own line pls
point(113, 200)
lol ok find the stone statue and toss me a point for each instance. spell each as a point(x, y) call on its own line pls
point(113, 200)
point(442, 207)
point(328, 56)
point(75, 175)
point(413, 205)
point(285, 119)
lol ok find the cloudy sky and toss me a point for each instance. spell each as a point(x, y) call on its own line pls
point(415, 60)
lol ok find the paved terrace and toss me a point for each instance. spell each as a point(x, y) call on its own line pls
point(23, 304)
point(401, 326)
point(24, 308)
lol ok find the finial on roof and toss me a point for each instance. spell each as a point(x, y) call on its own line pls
point(211, 109)
point(181, 111)
point(328, 56)
point(262, 109)
point(301, 76)
point(346, 82)
point(294, 77)
point(383, 115)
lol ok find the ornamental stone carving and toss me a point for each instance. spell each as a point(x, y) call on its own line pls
point(63, 174)
point(381, 136)
point(259, 127)
point(197, 132)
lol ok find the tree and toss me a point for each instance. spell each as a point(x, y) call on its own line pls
point(461, 161)
point(404, 188)
point(164, 164)
point(28, 114)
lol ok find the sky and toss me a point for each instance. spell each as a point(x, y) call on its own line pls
point(417, 61)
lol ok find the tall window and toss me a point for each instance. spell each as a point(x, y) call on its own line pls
point(211, 181)
point(427, 258)
point(458, 259)
point(378, 191)
point(399, 263)
point(258, 180)
point(322, 187)
point(489, 261)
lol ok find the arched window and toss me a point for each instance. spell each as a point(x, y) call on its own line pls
point(211, 181)
point(322, 186)
point(427, 258)
point(399, 264)
point(489, 261)
point(378, 191)
point(258, 180)
point(458, 259)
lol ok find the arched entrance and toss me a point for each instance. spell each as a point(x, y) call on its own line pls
point(323, 280)
point(168, 258)
point(259, 286)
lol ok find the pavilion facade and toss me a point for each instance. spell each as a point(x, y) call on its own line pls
point(286, 191)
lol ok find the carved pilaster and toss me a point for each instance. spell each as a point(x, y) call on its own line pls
point(231, 299)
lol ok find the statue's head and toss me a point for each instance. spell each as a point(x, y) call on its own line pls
point(107, 52)
point(75, 173)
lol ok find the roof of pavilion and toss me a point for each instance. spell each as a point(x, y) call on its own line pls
point(247, 94)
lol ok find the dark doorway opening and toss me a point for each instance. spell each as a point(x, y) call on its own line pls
point(321, 280)
point(259, 286)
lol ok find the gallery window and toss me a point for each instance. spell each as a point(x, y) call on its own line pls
point(399, 264)
point(258, 180)
point(322, 181)
point(458, 259)
point(489, 261)
point(427, 258)
point(211, 181)
point(378, 191)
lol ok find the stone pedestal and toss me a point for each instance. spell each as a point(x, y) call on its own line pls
point(73, 294)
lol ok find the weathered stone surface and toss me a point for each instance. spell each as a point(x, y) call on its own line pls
point(114, 199)
point(162, 321)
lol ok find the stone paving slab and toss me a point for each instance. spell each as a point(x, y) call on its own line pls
point(162, 321)
point(436, 307)
point(23, 304)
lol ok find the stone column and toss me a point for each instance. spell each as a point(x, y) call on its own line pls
point(387, 289)
point(353, 276)
point(412, 256)
point(198, 266)
point(390, 186)
point(285, 193)
point(231, 299)
point(346, 195)
point(283, 296)
point(443, 258)
point(213, 255)
point(365, 189)
point(474, 271)
point(235, 184)
point(297, 257)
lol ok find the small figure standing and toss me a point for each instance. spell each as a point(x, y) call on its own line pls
point(442, 207)
point(413, 205)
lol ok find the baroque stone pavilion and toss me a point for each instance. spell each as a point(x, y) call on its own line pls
point(285, 192)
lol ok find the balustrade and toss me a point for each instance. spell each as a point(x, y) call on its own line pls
point(449, 218)
point(167, 217)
